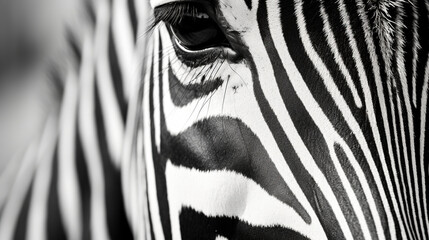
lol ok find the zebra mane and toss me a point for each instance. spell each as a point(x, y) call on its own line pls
point(386, 19)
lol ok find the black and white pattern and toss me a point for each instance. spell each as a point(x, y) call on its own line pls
point(318, 131)
point(68, 183)
point(311, 126)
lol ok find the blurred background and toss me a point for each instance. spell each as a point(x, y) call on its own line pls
point(31, 39)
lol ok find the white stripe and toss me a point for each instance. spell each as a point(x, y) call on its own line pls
point(416, 48)
point(369, 103)
point(18, 193)
point(338, 59)
point(128, 170)
point(381, 100)
point(125, 43)
point(142, 191)
point(8, 175)
point(404, 83)
point(320, 118)
point(133, 166)
point(141, 168)
point(114, 127)
point(225, 193)
point(403, 200)
point(143, 10)
point(407, 168)
point(68, 188)
point(423, 115)
point(151, 182)
point(37, 215)
point(88, 133)
point(161, 63)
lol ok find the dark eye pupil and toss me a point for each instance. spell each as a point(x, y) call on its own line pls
point(197, 33)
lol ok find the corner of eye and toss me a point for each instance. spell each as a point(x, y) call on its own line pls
point(229, 54)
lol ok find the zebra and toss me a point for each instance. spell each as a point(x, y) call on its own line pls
point(281, 119)
point(66, 184)
point(250, 122)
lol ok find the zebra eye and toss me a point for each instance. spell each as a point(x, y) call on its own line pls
point(192, 26)
point(198, 32)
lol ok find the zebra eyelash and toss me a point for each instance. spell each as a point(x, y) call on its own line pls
point(173, 13)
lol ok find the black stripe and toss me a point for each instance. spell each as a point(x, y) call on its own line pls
point(408, 37)
point(21, 225)
point(56, 83)
point(84, 185)
point(399, 164)
point(152, 234)
point(135, 148)
point(117, 221)
point(248, 4)
point(397, 95)
point(196, 226)
point(357, 187)
point(116, 74)
point(317, 36)
point(75, 48)
point(421, 64)
point(423, 32)
point(89, 7)
point(359, 34)
point(159, 161)
point(306, 182)
point(304, 123)
point(55, 225)
point(133, 17)
point(223, 143)
point(422, 54)
point(181, 95)
point(400, 93)
point(426, 167)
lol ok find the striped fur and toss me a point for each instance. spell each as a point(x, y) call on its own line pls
point(318, 131)
point(68, 183)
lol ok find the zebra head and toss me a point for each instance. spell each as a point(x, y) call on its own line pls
point(283, 119)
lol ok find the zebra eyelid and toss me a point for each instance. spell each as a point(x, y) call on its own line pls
point(173, 13)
